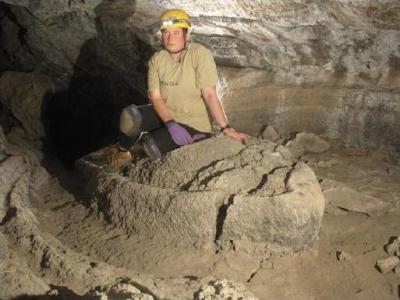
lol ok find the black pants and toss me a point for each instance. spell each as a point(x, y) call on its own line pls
point(153, 124)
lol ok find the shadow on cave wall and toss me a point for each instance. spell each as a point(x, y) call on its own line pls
point(85, 117)
point(63, 293)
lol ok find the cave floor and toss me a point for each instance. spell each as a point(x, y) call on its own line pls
point(340, 265)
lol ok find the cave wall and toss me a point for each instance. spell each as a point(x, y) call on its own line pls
point(330, 67)
point(354, 117)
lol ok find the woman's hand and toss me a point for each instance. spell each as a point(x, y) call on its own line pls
point(178, 133)
point(233, 134)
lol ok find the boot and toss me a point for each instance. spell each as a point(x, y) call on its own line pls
point(118, 157)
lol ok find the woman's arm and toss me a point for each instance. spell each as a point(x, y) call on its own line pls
point(159, 105)
point(214, 105)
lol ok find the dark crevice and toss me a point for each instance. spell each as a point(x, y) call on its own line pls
point(8, 120)
point(187, 185)
point(354, 211)
point(253, 274)
point(288, 175)
point(222, 213)
point(264, 180)
point(260, 265)
point(11, 213)
point(206, 180)
point(22, 31)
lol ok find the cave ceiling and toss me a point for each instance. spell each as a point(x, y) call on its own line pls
point(355, 37)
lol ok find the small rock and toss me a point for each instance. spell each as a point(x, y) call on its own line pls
point(347, 199)
point(224, 290)
point(124, 291)
point(307, 143)
point(286, 154)
point(387, 264)
point(343, 256)
point(393, 247)
point(52, 292)
point(270, 133)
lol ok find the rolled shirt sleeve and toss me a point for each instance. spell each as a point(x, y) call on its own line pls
point(153, 80)
point(206, 70)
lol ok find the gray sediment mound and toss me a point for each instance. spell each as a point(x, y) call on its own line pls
point(216, 190)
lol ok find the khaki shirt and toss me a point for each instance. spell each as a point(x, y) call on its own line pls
point(180, 83)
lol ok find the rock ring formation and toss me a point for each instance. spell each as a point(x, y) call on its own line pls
point(217, 190)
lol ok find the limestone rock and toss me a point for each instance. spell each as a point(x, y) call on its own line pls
point(331, 68)
point(126, 291)
point(26, 100)
point(343, 256)
point(321, 42)
point(146, 210)
point(223, 290)
point(21, 174)
point(55, 34)
point(291, 217)
point(16, 278)
point(306, 142)
point(393, 247)
point(387, 264)
point(270, 133)
point(38, 256)
point(217, 189)
point(348, 199)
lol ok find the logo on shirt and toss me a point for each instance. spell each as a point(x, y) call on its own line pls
point(170, 83)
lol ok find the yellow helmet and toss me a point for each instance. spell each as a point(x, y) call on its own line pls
point(175, 18)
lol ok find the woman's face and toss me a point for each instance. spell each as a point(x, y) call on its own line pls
point(174, 39)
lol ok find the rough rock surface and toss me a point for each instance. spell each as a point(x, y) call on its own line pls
point(306, 142)
point(327, 67)
point(270, 133)
point(354, 116)
point(34, 262)
point(393, 247)
point(223, 290)
point(219, 190)
point(336, 39)
point(26, 101)
point(349, 200)
point(122, 290)
point(387, 264)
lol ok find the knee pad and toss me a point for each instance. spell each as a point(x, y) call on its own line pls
point(130, 120)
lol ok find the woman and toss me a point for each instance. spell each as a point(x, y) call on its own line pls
point(182, 90)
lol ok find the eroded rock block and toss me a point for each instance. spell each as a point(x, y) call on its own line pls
point(291, 217)
point(144, 209)
point(343, 256)
point(387, 264)
point(350, 200)
point(307, 142)
point(217, 189)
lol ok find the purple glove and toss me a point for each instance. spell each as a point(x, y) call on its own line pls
point(179, 134)
point(198, 136)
